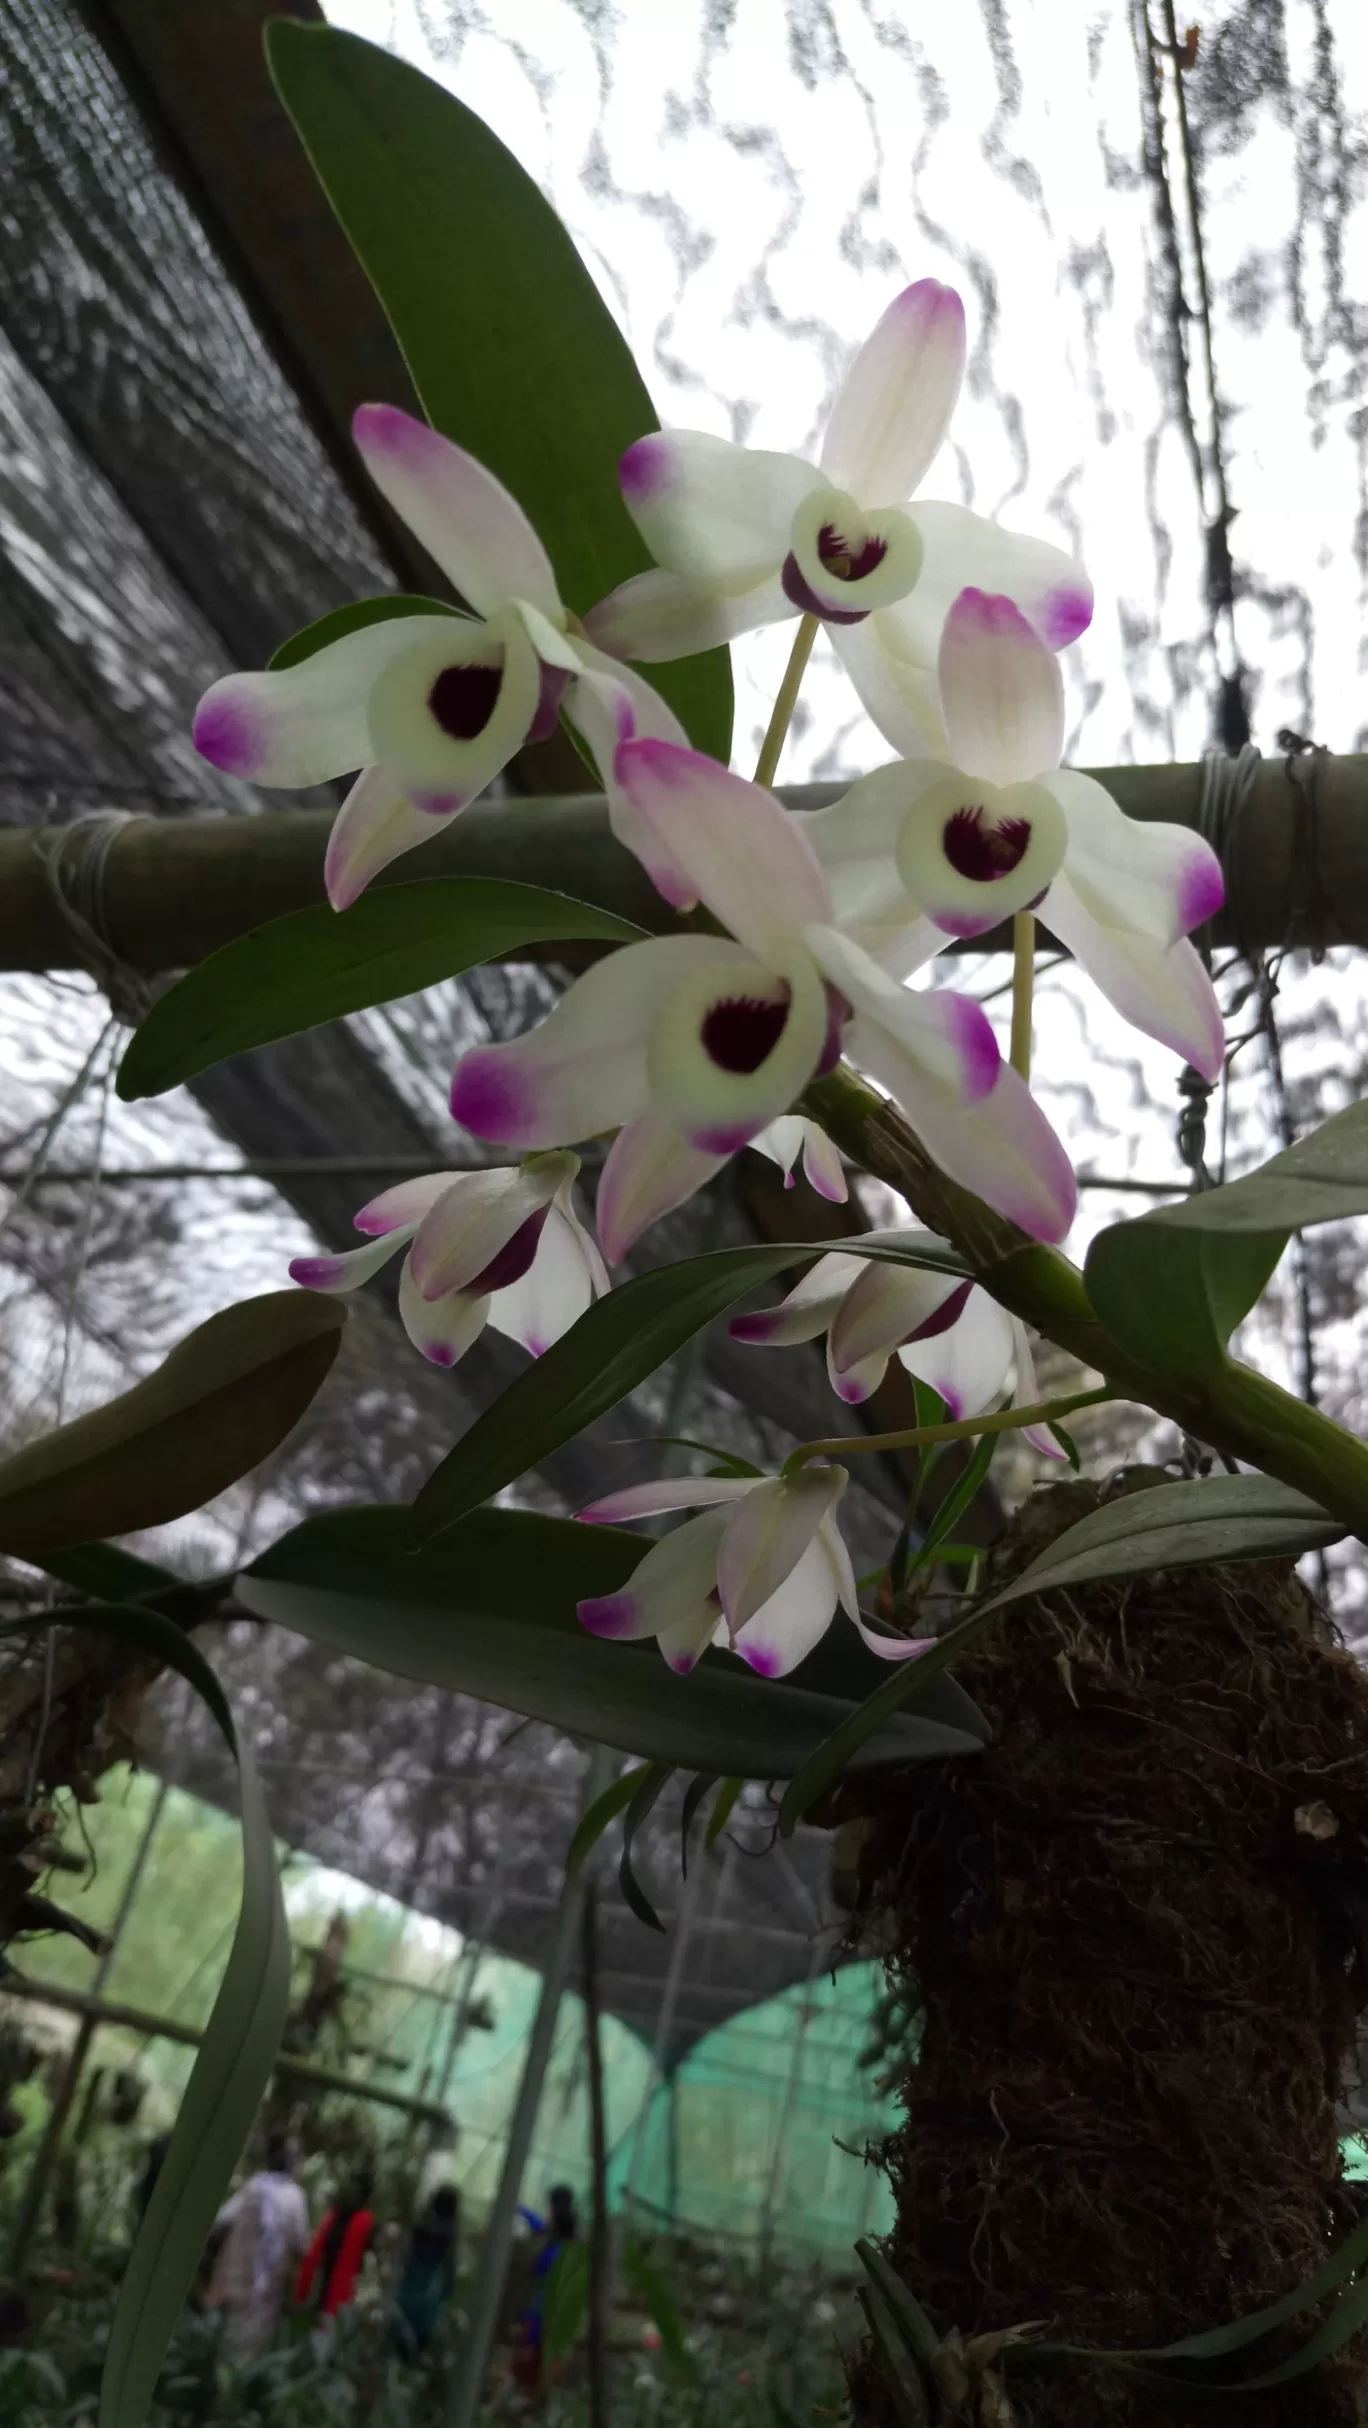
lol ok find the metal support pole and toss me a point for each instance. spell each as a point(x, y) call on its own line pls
point(600, 2255)
point(35, 2191)
point(468, 2383)
point(781, 2137)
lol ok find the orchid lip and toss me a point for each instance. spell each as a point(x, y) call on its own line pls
point(740, 1033)
point(801, 595)
point(984, 853)
point(463, 699)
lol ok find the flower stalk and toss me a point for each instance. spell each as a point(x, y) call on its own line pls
point(1023, 990)
point(786, 700)
point(960, 1429)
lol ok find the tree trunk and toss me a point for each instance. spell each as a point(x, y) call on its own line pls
point(1135, 1933)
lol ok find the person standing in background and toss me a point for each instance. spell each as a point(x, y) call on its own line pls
point(429, 2275)
point(265, 2231)
point(327, 2280)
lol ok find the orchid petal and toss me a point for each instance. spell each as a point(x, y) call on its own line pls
point(716, 514)
point(307, 724)
point(1002, 1147)
point(353, 1267)
point(584, 1068)
point(767, 1535)
point(734, 1045)
point(806, 1312)
point(671, 1593)
point(559, 1286)
point(893, 1648)
point(933, 1038)
point(964, 550)
point(1001, 692)
point(376, 824)
point(895, 680)
point(1164, 990)
point(442, 1329)
point(463, 516)
point(747, 857)
point(449, 714)
point(610, 704)
point(664, 1495)
point(893, 407)
point(793, 1135)
point(969, 1363)
point(1148, 877)
point(481, 1217)
point(1026, 1392)
point(784, 1629)
point(655, 616)
point(650, 1169)
point(885, 1306)
point(405, 1204)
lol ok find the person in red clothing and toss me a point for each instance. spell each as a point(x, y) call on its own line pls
point(328, 2278)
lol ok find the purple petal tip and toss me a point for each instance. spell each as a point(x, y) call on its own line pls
point(1201, 891)
point(486, 1097)
point(987, 612)
point(609, 1614)
point(1067, 612)
point(764, 1659)
point(645, 469)
point(753, 1328)
point(227, 733)
point(439, 1353)
point(315, 1272)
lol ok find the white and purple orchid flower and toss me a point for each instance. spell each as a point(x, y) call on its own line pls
point(744, 537)
point(929, 849)
point(691, 1046)
point(762, 1569)
point(948, 1333)
point(503, 1247)
point(431, 708)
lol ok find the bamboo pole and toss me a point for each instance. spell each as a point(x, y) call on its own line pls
point(101, 2011)
point(45, 2157)
point(600, 2254)
point(174, 889)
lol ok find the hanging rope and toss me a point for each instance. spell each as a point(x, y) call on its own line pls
point(75, 861)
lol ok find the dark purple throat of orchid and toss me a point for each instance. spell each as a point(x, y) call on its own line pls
point(464, 698)
point(843, 563)
point(512, 1260)
point(981, 852)
point(741, 1032)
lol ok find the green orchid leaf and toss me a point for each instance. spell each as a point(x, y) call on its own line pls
point(1323, 1178)
point(600, 1814)
point(512, 349)
point(650, 1786)
point(1171, 1298)
point(694, 1795)
point(354, 617)
point(489, 1609)
point(235, 2058)
point(723, 1809)
point(1220, 1518)
point(220, 1403)
point(318, 964)
point(648, 2281)
point(615, 1346)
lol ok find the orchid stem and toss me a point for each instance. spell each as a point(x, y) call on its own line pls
point(1023, 988)
point(1006, 1420)
point(770, 748)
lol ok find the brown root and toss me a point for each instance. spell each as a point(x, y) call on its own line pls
point(1137, 1929)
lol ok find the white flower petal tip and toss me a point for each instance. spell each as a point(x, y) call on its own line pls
point(1001, 692)
point(464, 517)
point(375, 825)
point(792, 1135)
point(612, 1615)
point(893, 407)
point(746, 856)
point(1064, 613)
point(713, 513)
point(893, 1648)
point(650, 1169)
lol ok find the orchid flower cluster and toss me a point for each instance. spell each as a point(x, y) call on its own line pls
point(689, 1046)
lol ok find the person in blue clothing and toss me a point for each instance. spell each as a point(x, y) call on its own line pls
point(428, 2277)
point(550, 2235)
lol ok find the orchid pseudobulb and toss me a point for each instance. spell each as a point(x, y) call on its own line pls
point(925, 850)
point(744, 537)
point(690, 1046)
point(431, 708)
point(761, 1569)
point(503, 1247)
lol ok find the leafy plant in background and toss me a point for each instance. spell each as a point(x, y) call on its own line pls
point(776, 992)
